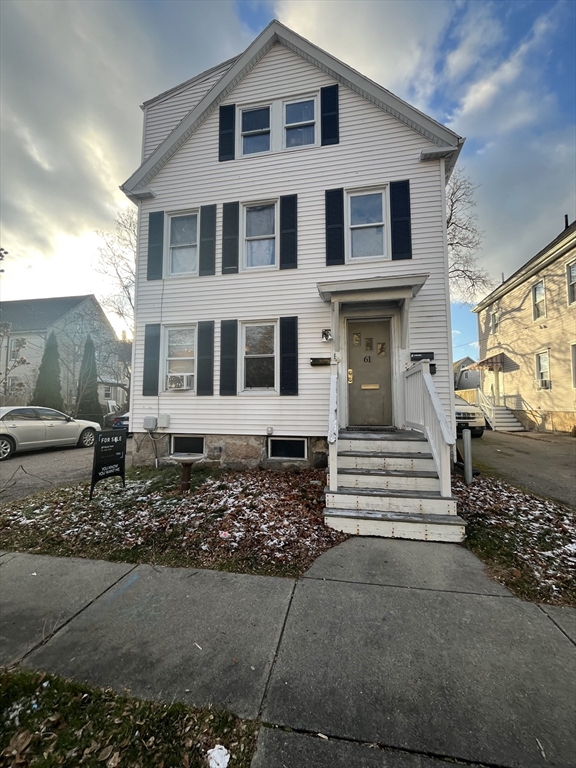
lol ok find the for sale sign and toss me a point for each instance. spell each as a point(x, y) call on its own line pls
point(109, 456)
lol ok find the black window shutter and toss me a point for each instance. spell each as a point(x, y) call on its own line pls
point(207, 240)
point(228, 357)
point(155, 245)
point(400, 220)
point(151, 359)
point(230, 224)
point(334, 227)
point(205, 370)
point(288, 355)
point(289, 232)
point(226, 136)
point(329, 115)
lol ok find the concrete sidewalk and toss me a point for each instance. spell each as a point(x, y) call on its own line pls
point(404, 654)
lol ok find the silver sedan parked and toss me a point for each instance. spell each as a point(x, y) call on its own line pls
point(30, 428)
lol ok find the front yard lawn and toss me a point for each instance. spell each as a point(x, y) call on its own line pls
point(270, 523)
point(48, 721)
point(255, 521)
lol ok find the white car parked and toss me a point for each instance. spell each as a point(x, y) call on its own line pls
point(30, 428)
point(469, 416)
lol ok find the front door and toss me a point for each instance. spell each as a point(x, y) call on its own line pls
point(369, 373)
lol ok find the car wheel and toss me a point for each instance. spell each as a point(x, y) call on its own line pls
point(6, 448)
point(478, 432)
point(87, 439)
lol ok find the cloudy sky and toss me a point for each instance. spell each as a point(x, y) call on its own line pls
point(74, 73)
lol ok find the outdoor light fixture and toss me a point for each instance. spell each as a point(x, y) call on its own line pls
point(326, 334)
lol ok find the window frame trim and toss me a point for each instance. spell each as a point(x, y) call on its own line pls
point(285, 102)
point(569, 284)
point(538, 370)
point(349, 193)
point(538, 318)
point(263, 391)
point(271, 438)
point(169, 215)
point(165, 329)
point(243, 223)
point(240, 109)
point(173, 452)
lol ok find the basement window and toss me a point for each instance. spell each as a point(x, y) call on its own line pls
point(186, 444)
point(286, 448)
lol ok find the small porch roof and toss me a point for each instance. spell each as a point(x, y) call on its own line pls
point(390, 289)
point(488, 362)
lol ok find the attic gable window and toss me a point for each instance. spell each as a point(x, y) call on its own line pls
point(183, 244)
point(255, 130)
point(299, 123)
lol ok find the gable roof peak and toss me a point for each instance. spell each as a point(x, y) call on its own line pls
point(448, 142)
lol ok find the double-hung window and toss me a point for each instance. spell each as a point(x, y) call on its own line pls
point(571, 275)
point(255, 130)
point(299, 123)
point(183, 244)
point(259, 343)
point(494, 322)
point(539, 301)
point(366, 215)
point(260, 235)
point(543, 369)
point(180, 358)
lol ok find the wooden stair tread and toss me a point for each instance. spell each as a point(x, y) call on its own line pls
point(396, 517)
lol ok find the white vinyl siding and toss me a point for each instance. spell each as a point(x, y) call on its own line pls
point(374, 150)
point(164, 114)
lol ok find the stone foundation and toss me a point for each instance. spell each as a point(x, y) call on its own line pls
point(229, 451)
point(547, 421)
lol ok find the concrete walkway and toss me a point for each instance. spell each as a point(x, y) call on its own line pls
point(404, 654)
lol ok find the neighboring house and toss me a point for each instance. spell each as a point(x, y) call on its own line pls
point(527, 334)
point(463, 377)
point(292, 271)
point(71, 318)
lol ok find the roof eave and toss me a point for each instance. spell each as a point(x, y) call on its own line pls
point(554, 250)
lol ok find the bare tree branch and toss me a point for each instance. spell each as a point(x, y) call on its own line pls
point(118, 263)
point(467, 278)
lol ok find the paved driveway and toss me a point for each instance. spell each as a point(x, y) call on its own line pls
point(33, 471)
point(544, 464)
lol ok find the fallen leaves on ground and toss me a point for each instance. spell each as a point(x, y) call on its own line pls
point(100, 728)
point(528, 542)
point(251, 521)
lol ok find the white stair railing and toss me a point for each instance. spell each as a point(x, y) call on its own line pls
point(488, 407)
point(424, 412)
point(333, 430)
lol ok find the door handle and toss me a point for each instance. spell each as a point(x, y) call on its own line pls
point(350, 376)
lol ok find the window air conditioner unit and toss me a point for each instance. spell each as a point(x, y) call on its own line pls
point(542, 383)
point(178, 381)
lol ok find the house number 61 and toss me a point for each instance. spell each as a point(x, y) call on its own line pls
point(367, 359)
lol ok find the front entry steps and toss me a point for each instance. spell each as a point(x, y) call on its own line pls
point(387, 485)
point(503, 420)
